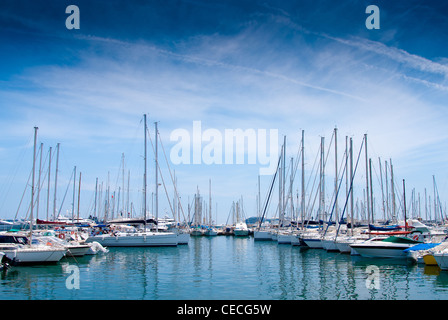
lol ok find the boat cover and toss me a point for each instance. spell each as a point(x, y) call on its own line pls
point(422, 246)
point(384, 228)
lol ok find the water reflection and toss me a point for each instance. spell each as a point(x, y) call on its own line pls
point(226, 268)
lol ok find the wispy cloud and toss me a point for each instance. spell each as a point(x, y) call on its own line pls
point(399, 55)
point(269, 73)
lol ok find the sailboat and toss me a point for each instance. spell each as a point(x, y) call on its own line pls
point(19, 247)
point(210, 231)
point(240, 229)
point(265, 230)
point(136, 237)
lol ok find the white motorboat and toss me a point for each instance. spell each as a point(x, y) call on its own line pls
point(32, 254)
point(19, 250)
point(380, 247)
point(241, 229)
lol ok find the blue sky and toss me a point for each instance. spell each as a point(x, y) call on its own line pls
point(285, 65)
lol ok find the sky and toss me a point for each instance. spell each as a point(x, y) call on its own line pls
point(285, 66)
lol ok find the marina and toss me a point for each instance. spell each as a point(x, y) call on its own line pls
point(223, 150)
point(212, 269)
point(284, 257)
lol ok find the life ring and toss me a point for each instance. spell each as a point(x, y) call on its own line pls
point(415, 237)
point(61, 236)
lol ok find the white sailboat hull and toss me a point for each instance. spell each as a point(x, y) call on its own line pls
point(262, 235)
point(329, 245)
point(183, 238)
point(210, 233)
point(36, 255)
point(196, 232)
point(313, 243)
point(77, 251)
point(144, 239)
point(343, 246)
point(442, 260)
point(284, 238)
point(296, 240)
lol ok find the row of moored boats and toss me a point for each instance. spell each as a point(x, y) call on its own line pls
point(416, 241)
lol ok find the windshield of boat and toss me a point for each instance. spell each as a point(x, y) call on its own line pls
point(13, 239)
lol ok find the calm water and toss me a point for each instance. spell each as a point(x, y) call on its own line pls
point(224, 268)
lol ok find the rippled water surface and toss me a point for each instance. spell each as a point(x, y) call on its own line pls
point(225, 268)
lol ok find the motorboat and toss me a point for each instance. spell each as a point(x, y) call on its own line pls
point(380, 247)
point(18, 248)
point(241, 229)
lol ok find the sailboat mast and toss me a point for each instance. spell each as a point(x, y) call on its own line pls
point(144, 175)
point(157, 177)
point(284, 180)
point(96, 197)
point(387, 191)
point(336, 174)
point(404, 206)
point(38, 180)
point(259, 199)
point(382, 189)
point(367, 181)
point(79, 193)
point(32, 183)
point(371, 190)
point(49, 176)
point(210, 202)
point(351, 188)
point(74, 192)
point(56, 181)
point(392, 189)
point(322, 180)
point(303, 180)
point(435, 202)
point(122, 170)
